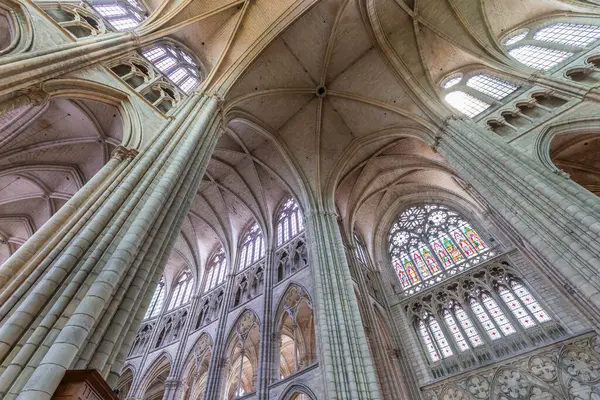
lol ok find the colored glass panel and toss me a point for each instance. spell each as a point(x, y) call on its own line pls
point(464, 245)
point(401, 274)
point(452, 249)
point(530, 302)
point(468, 327)
point(442, 254)
point(455, 331)
point(410, 271)
point(430, 261)
point(474, 238)
point(418, 260)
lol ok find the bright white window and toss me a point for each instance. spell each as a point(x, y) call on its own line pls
point(569, 34)
point(289, 221)
point(491, 86)
point(539, 57)
point(466, 104)
point(183, 290)
point(120, 14)
point(253, 247)
point(455, 331)
point(431, 348)
point(452, 81)
point(157, 300)
point(530, 302)
point(176, 64)
point(111, 11)
point(215, 270)
point(123, 24)
point(515, 38)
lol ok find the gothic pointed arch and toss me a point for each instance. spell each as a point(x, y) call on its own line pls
point(295, 331)
point(289, 220)
point(152, 385)
point(240, 372)
point(195, 371)
point(125, 382)
point(297, 391)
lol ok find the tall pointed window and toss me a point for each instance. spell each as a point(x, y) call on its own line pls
point(253, 247)
point(430, 242)
point(545, 47)
point(157, 300)
point(471, 94)
point(120, 14)
point(360, 251)
point(289, 221)
point(183, 290)
point(215, 270)
point(176, 63)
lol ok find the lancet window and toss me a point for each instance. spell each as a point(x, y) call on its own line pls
point(157, 300)
point(253, 246)
point(289, 221)
point(545, 47)
point(471, 94)
point(183, 290)
point(215, 270)
point(176, 63)
point(121, 15)
point(359, 250)
point(489, 313)
point(431, 242)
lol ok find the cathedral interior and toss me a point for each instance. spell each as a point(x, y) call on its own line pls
point(300, 199)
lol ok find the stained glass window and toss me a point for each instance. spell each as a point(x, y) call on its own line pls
point(177, 64)
point(157, 300)
point(289, 221)
point(455, 331)
point(440, 338)
point(216, 269)
point(530, 302)
point(485, 320)
point(431, 349)
point(183, 290)
point(468, 327)
point(253, 247)
point(429, 241)
point(496, 312)
point(545, 48)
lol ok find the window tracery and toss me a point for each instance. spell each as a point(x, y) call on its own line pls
point(157, 300)
point(359, 249)
point(175, 63)
point(253, 246)
point(479, 317)
point(292, 258)
point(77, 20)
point(471, 94)
point(430, 242)
point(545, 47)
point(289, 221)
point(121, 15)
point(183, 290)
point(216, 269)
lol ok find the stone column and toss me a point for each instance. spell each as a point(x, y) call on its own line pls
point(392, 384)
point(558, 220)
point(266, 354)
point(32, 96)
point(88, 293)
point(344, 356)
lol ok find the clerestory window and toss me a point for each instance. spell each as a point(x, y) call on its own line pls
point(120, 14)
point(157, 300)
point(471, 94)
point(215, 270)
point(431, 242)
point(175, 63)
point(182, 291)
point(289, 221)
point(253, 247)
point(545, 47)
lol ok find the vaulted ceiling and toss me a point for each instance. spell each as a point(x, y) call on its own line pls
point(325, 100)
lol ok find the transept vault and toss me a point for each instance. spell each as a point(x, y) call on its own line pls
point(300, 199)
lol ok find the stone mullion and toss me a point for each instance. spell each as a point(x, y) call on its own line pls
point(266, 351)
point(344, 353)
point(177, 210)
point(549, 217)
point(76, 331)
point(213, 380)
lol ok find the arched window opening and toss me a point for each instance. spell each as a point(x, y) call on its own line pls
point(473, 93)
point(157, 300)
point(359, 249)
point(242, 357)
point(195, 372)
point(120, 14)
point(175, 63)
point(296, 331)
point(79, 21)
point(430, 242)
point(215, 270)
point(183, 290)
point(253, 247)
point(545, 47)
point(289, 222)
point(487, 314)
